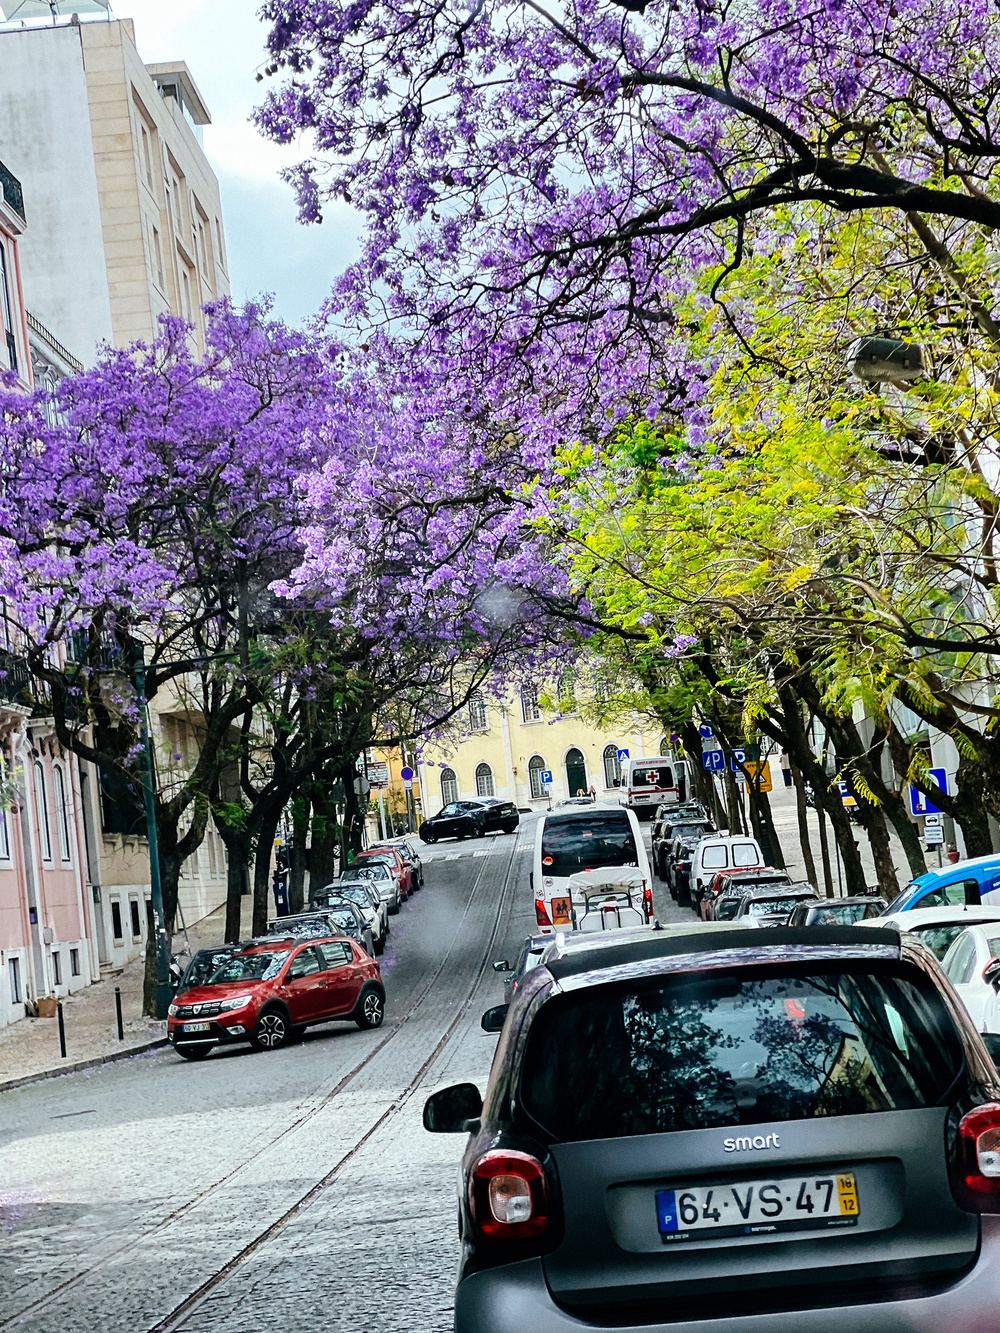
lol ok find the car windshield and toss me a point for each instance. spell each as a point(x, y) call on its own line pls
point(250, 967)
point(312, 928)
point(687, 830)
point(367, 870)
point(939, 936)
point(838, 914)
point(571, 844)
point(355, 893)
point(771, 906)
point(732, 1049)
point(203, 965)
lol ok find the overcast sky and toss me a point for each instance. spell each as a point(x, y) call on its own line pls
point(223, 44)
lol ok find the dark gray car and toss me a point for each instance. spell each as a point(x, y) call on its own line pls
point(716, 1130)
point(772, 907)
point(527, 960)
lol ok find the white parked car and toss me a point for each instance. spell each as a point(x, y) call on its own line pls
point(365, 893)
point(721, 851)
point(936, 927)
point(964, 964)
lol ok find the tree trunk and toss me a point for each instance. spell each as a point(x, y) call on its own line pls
point(802, 815)
point(767, 834)
point(735, 810)
point(322, 858)
point(149, 969)
point(824, 850)
point(267, 827)
point(873, 822)
point(297, 858)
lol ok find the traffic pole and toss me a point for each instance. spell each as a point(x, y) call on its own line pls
point(163, 993)
point(62, 1030)
point(118, 1013)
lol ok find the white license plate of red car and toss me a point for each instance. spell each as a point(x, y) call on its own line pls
point(196, 1027)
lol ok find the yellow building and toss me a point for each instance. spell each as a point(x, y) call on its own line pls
point(506, 748)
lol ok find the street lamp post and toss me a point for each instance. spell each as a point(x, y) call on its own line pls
point(163, 988)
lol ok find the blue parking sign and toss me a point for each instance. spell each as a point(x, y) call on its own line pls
point(546, 777)
point(919, 803)
point(713, 760)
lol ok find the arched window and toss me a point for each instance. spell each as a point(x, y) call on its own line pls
point(536, 767)
point(576, 772)
point(62, 815)
point(612, 768)
point(42, 804)
point(665, 746)
point(449, 786)
point(484, 780)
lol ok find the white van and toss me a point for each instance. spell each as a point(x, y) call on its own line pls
point(721, 851)
point(568, 841)
point(647, 783)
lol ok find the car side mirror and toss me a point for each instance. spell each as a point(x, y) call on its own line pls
point(493, 1020)
point(454, 1110)
point(991, 973)
point(502, 966)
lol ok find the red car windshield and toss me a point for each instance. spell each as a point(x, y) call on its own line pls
point(250, 967)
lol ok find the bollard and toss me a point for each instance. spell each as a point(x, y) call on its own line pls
point(62, 1030)
point(118, 1013)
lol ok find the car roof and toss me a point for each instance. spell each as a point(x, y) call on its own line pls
point(584, 812)
point(955, 869)
point(852, 900)
point(923, 916)
point(573, 958)
point(785, 891)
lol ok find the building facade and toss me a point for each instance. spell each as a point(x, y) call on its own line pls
point(506, 747)
point(125, 215)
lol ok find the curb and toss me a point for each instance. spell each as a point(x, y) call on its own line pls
point(79, 1065)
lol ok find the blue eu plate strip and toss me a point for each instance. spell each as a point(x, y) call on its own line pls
point(666, 1210)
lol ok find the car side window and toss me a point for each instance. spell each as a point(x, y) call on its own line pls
point(962, 962)
point(304, 964)
point(335, 954)
point(449, 810)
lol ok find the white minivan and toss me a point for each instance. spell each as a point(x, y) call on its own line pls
point(581, 838)
point(721, 851)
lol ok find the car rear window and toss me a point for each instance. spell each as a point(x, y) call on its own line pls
point(652, 775)
point(745, 854)
point(731, 1049)
point(714, 858)
point(838, 914)
point(572, 844)
point(771, 906)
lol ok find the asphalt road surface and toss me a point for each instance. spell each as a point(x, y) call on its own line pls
point(293, 1190)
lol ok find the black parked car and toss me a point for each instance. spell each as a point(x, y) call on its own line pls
point(502, 815)
point(470, 819)
point(667, 827)
point(724, 1128)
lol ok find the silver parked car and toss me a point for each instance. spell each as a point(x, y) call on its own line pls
point(689, 1133)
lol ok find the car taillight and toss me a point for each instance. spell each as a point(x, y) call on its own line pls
point(647, 903)
point(508, 1195)
point(541, 915)
point(979, 1159)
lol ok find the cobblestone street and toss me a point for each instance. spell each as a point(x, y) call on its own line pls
point(154, 1195)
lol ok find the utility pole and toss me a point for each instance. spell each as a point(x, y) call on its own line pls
point(163, 989)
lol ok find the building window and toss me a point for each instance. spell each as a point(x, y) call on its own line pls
point(158, 260)
point(566, 690)
point(612, 768)
point(530, 709)
point(477, 714)
point(62, 818)
point(133, 907)
point(147, 159)
point(484, 780)
point(449, 786)
point(5, 311)
point(4, 835)
point(116, 919)
point(42, 802)
point(665, 747)
point(536, 767)
point(56, 967)
point(14, 975)
point(74, 962)
point(187, 309)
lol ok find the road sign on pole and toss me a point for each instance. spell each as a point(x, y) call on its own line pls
point(760, 774)
point(546, 777)
point(406, 774)
point(705, 731)
point(739, 757)
point(919, 803)
point(622, 754)
point(713, 761)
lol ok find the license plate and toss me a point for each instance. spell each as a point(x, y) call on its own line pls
point(196, 1027)
point(758, 1208)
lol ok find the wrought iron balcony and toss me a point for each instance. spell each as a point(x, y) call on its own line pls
point(15, 679)
point(12, 192)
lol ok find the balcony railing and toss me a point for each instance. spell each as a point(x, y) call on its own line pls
point(12, 192)
point(15, 679)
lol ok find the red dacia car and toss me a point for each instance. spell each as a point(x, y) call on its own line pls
point(271, 991)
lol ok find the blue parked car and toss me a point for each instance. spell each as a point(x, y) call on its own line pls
point(975, 881)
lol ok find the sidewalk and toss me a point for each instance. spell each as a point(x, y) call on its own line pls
point(29, 1048)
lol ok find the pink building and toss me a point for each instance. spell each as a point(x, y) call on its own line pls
point(46, 907)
